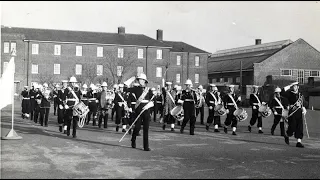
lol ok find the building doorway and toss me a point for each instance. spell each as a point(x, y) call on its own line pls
point(300, 77)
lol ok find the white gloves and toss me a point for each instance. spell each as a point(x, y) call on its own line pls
point(239, 98)
point(60, 106)
point(227, 111)
point(210, 107)
point(264, 103)
point(304, 111)
point(275, 113)
point(66, 106)
point(97, 101)
point(180, 101)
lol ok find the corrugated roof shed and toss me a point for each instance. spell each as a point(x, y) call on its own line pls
point(183, 47)
point(84, 37)
point(229, 60)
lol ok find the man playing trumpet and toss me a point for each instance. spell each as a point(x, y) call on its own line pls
point(169, 104)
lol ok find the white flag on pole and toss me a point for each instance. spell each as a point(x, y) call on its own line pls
point(7, 84)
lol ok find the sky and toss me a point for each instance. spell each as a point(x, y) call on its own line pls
point(210, 26)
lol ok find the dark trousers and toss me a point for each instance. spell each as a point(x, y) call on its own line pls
point(276, 121)
point(169, 119)
point(295, 125)
point(55, 105)
point(33, 105)
point(104, 114)
point(69, 118)
point(157, 110)
point(113, 111)
point(189, 115)
point(119, 114)
point(94, 117)
point(60, 116)
point(201, 111)
point(211, 118)
point(255, 116)
point(231, 119)
point(44, 115)
point(145, 120)
point(36, 113)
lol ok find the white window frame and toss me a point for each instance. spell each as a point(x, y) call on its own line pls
point(6, 47)
point(99, 70)
point(159, 53)
point(159, 72)
point(221, 80)
point(35, 48)
point(57, 50)
point(140, 53)
point(99, 51)
point(56, 68)
point(139, 70)
point(318, 74)
point(238, 79)
point(197, 61)
point(119, 70)
point(13, 45)
point(35, 69)
point(230, 80)
point(78, 50)
point(196, 78)
point(178, 60)
point(213, 80)
point(78, 69)
point(120, 52)
point(281, 72)
point(178, 78)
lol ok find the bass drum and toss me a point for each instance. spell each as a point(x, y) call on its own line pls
point(178, 113)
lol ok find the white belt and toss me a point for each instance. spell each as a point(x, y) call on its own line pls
point(144, 101)
point(255, 103)
point(211, 102)
point(84, 99)
point(278, 107)
point(188, 100)
point(26, 98)
point(92, 99)
point(230, 104)
point(159, 102)
point(133, 103)
point(71, 99)
point(32, 97)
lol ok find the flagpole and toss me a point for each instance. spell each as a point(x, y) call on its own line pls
point(12, 134)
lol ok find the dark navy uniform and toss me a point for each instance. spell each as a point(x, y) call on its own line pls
point(61, 111)
point(33, 103)
point(55, 101)
point(158, 106)
point(228, 104)
point(118, 103)
point(25, 104)
point(93, 106)
point(201, 108)
point(277, 111)
point(189, 98)
point(144, 117)
point(69, 114)
point(45, 107)
point(212, 99)
point(38, 97)
point(255, 100)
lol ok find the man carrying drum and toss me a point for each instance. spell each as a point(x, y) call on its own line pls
point(255, 102)
point(279, 104)
point(212, 100)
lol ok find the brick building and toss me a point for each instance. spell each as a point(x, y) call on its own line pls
point(270, 63)
point(53, 55)
point(186, 62)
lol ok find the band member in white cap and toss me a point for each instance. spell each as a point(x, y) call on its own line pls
point(200, 105)
point(189, 99)
point(119, 102)
point(25, 104)
point(45, 105)
point(230, 103)
point(93, 104)
point(55, 99)
point(212, 100)
point(115, 90)
point(32, 93)
point(103, 105)
point(297, 109)
point(255, 102)
point(178, 92)
point(61, 110)
point(169, 104)
point(278, 105)
point(144, 96)
point(37, 104)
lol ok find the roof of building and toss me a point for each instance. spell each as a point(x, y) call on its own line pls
point(84, 37)
point(229, 60)
point(178, 46)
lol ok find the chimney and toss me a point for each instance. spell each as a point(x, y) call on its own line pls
point(159, 35)
point(258, 41)
point(121, 30)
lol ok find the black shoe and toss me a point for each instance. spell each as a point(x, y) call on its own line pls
point(130, 131)
point(181, 130)
point(260, 132)
point(123, 130)
point(249, 128)
point(216, 130)
point(133, 144)
point(164, 127)
point(207, 127)
point(106, 127)
point(225, 130)
point(87, 123)
point(139, 134)
point(286, 139)
point(65, 132)
point(68, 133)
point(147, 149)
point(191, 133)
point(22, 116)
point(202, 123)
point(60, 128)
point(234, 133)
point(282, 134)
point(46, 125)
point(272, 132)
point(74, 136)
point(117, 128)
point(300, 145)
point(172, 129)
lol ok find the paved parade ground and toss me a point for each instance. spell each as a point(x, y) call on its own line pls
point(44, 152)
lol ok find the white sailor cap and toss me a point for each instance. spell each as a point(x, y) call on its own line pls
point(121, 85)
point(169, 83)
point(231, 86)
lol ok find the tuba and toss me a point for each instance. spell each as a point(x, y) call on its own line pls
point(178, 113)
point(109, 99)
point(200, 99)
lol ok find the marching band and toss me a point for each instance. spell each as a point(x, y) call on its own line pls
point(133, 103)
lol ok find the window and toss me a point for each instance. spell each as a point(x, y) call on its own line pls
point(159, 72)
point(99, 70)
point(5, 47)
point(286, 72)
point(314, 74)
point(56, 69)
point(5, 64)
point(78, 69)
point(237, 79)
point(78, 50)
point(13, 47)
point(35, 48)
point(99, 51)
point(119, 70)
point(159, 53)
point(140, 53)
point(177, 78)
point(214, 80)
point(178, 60)
point(120, 52)
point(139, 70)
point(196, 78)
point(196, 60)
point(34, 69)
point(230, 79)
point(57, 50)
point(221, 80)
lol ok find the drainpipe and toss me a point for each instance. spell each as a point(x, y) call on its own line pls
point(28, 63)
point(147, 61)
point(188, 66)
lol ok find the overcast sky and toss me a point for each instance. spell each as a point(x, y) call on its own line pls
point(210, 26)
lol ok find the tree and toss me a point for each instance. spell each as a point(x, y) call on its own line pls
point(46, 77)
